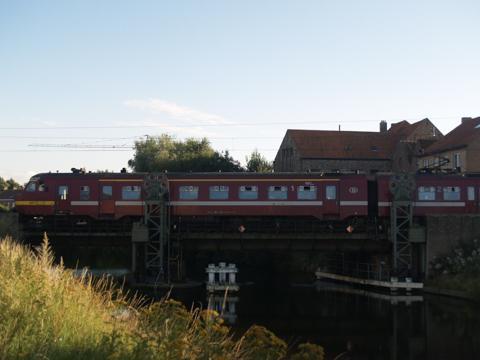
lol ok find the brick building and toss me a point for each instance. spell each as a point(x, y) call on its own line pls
point(459, 150)
point(370, 152)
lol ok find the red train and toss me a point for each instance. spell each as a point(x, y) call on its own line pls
point(340, 197)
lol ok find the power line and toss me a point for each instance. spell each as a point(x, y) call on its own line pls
point(208, 125)
point(99, 150)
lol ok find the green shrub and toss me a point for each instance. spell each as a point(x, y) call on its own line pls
point(47, 313)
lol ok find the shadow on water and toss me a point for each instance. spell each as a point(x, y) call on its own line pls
point(373, 325)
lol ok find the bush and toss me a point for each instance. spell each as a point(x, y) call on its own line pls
point(46, 312)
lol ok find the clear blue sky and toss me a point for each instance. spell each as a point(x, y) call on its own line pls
point(195, 68)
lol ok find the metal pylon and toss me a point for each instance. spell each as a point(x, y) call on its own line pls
point(401, 187)
point(157, 220)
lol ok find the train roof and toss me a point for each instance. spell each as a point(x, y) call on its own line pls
point(203, 175)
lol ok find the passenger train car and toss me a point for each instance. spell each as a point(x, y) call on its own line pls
point(114, 196)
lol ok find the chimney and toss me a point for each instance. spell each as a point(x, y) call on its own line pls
point(465, 119)
point(383, 126)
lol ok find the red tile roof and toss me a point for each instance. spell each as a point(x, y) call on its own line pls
point(461, 136)
point(327, 144)
point(341, 144)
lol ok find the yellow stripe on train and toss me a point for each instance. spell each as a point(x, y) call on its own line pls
point(34, 203)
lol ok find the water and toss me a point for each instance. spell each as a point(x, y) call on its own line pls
point(373, 325)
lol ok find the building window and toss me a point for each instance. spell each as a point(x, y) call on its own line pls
point(107, 192)
point(248, 192)
point(188, 192)
point(451, 193)
point(426, 193)
point(306, 192)
point(31, 187)
point(63, 192)
point(131, 192)
point(218, 192)
point(331, 192)
point(84, 192)
point(456, 160)
point(277, 192)
point(471, 193)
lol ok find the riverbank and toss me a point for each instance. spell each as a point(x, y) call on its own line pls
point(460, 286)
point(47, 312)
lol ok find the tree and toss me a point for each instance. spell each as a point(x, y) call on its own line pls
point(191, 155)
point(9, 184)
point(258, 163)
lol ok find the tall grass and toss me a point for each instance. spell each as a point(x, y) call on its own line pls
point(47, 313)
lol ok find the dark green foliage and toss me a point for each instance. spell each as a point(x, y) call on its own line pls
point(164, 153)
point(9, 184)
point(459, 270)
point(258, 163)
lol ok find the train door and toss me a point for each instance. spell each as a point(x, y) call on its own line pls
point(106, 201)
point(330, 200)
point(63, 202)
point(471, 203)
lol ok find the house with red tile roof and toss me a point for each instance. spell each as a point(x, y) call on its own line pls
point(458, 151)
point(346, 151)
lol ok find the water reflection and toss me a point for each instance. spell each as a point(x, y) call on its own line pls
point(373, 325)
point(225, 305)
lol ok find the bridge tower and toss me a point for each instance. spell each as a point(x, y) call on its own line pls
point(401, 187)
point(152, 252)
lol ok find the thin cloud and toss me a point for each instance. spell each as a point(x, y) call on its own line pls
point(176, 111)
point(181, 131)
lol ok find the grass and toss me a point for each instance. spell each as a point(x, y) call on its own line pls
point(47, 313)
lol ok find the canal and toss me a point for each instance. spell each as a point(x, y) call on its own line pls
point(371, 325)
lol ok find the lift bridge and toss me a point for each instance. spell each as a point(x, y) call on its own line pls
point(157, 255)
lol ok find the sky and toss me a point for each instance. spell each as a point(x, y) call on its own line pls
point(80, 81)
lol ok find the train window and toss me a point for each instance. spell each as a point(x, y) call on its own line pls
point(277, 192)
point(471, 193)
point(426, 193)
point(63, 192)
point(218, 192)
point(131, 192)
point(306, 192)
point(331, 192)
point(42, 187)
point(84, 192)
point(31, 186)
point(107, 192)
point(188, 192)
point(248, 192)
point(451, 193)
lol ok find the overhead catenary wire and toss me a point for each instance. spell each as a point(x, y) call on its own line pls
point(140, 126)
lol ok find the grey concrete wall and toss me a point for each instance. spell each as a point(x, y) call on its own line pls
point(445, 232)
point(9, 225)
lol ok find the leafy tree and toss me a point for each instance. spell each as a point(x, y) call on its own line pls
point(165, 153)
point(9, 184)
point(258, 163)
